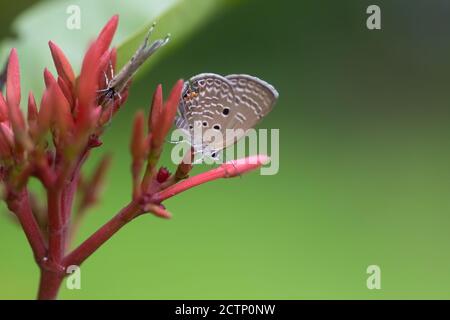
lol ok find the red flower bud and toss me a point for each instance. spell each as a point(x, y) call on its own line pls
point(63, 119)
point(137, 146)
point(13, 101)
point(138, 151)
point(63, 67)
point(13, 80)
point(163, 175)
point(66, 90)
point(6, 141)
point(164, 120)
point(45, 114)
point(105, 37)
point(49, 79)
point(32, 116)
point(3, 109)
point(157, 210)
point(32, 109)
point(156, 109)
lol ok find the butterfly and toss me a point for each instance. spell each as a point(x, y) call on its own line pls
point(213, 103)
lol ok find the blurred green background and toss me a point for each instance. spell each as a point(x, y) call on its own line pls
point(364, 165)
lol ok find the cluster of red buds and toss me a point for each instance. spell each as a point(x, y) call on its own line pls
point(56, 137)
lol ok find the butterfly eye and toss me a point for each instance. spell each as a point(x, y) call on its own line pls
point(191, 126)
point(213, 155)
point(217, 127)
point(205, 124)
point(225, 111)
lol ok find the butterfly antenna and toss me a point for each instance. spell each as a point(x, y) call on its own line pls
point(149, 33)
point(106, 78)
point(166, 39)
point(111, 69)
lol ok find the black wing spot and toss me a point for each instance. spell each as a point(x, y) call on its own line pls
point(226, 111)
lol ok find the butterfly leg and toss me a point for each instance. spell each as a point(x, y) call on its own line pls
point(111, 69)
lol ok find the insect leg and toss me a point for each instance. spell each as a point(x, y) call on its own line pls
point(111, 69)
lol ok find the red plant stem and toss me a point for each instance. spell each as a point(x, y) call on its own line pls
point(150, 170)
point(60, 197)
point(45, 175)
point(68, 196)
point(226, 170)
point(96, 240)
point(55, 223)
point(131, 211)
point(49, 285)
point(67, 199)
point(20, 205)
point(66, 210)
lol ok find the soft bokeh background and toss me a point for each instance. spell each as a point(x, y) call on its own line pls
point(364, 167)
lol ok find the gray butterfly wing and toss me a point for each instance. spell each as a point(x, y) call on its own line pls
point(207, 100)
point(255, 98)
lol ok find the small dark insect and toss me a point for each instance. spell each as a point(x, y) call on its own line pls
point(116, 83)
point(109, 93)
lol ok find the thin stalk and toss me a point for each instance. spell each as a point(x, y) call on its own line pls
point(49, 285)
point(96, 240)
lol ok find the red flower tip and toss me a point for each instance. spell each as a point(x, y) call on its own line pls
point(137, 146)
point(158, 210)
point(164, 121)
point(13, 95)
point(7, 133)
point(61, 110)
point(32, 108)
point(45, 113)
point(106, 35)
point(171, 106)
point(163, 175)
point(94, 142)
point(62, 65)
point(49, 79)
point(235, 168)
point(3, 109)
point(13, 80)
point(6, 141)
point(32, 116)
point(66, 90)
point(156, 109)
point(87, 88)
